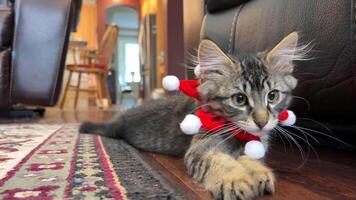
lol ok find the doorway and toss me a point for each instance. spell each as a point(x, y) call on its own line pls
point(125, 62)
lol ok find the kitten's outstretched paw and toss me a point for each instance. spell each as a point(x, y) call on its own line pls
point(234, 186)
point(265, 181)
point(262, 175)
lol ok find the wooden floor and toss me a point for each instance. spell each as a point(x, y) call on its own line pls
point(331, 175)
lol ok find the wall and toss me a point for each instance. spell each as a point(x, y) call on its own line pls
point(170, 44)
point(148, 6)
point(175, 39)
point(158, 7)
point(193, 18)
point(102, 5)
point(161, 41)
point(87, 27)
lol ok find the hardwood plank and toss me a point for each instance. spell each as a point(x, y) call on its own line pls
point(286, 190)
point(290, 185)
point(176, 166)
point(331, 179)
point(170, 176)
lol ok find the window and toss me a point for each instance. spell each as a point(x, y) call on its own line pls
point(132, 64)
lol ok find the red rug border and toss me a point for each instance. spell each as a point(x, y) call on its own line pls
point(108, 172)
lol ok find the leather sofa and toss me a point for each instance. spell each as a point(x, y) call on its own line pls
point(328, 80)
point(34, 36)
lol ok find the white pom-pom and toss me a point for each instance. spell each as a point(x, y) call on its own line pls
point(290, 120)
point(197, 71)
point(190, 125)
point(255, 149)
point(170, 83)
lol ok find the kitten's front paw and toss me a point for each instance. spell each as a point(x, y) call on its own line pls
point(234, 185)
point(262, 175)
point(265, 181)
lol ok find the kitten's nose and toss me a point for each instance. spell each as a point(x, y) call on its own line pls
point(260, 117)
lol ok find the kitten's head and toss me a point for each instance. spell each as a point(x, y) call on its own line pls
point(249, 90)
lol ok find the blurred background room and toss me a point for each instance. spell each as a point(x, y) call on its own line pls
point(63, 62)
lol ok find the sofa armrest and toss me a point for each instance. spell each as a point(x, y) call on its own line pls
point(40, 43)
point(6, 32)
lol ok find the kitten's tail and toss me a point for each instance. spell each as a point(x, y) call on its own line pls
point(107, 129)
point(90, 127)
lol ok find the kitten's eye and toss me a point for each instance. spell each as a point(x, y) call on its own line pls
point(273, 96)
point(240, 99)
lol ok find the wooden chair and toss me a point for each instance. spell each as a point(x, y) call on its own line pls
point(95, 63)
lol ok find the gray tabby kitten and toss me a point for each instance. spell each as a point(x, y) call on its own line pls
point(249, 91)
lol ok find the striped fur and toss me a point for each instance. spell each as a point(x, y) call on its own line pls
point(216, 160)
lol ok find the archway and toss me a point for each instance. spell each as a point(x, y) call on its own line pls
point(126, 58)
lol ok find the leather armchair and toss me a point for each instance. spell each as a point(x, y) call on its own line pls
point(328, 80)
point(34, 36)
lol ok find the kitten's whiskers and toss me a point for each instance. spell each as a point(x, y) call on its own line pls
point(324, 134)
point(306, 141)
point(293, 140)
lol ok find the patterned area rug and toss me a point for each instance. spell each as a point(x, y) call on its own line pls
point(39, 161)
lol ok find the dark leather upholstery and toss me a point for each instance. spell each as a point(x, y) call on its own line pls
point(6, 32)
point(44, 31)
point(76, 8)
point(220, 5)
point(4, 77)
point(33, 46)
point(6, 27)
point(328, 81)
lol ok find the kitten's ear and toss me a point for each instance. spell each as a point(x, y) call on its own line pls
point(211, 58)
point(280, 58)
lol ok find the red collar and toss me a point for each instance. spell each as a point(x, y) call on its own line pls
point(210, 121)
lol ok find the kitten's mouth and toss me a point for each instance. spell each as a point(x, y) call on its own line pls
point(254, 129)
point(256, 132)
